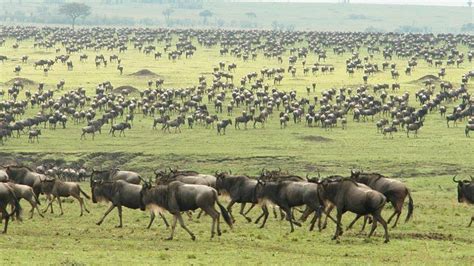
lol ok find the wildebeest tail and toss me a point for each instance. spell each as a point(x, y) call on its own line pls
point(17, 210)
point(84, 193)
point(225, 214)
point(410, 206)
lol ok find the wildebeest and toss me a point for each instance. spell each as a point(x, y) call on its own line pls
point(221, 125)
point(119, 193)
point(34, 134)
point(346, 195)
point(7, 196)
point(466, 192)
point(394, 190)
point(116, 174)
point(27, 193)
point(120, 127)
point(242, 119)
point(3, 176)
point(55, 189)
point(177, 197)
point(25, 176)
point(240, 189)
point(187, 177)
point(469, 127)
point(289, 194)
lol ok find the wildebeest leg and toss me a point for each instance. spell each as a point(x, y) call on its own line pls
point(251, 207)
point(106, 213)
point(164, 220)
point(5, 216)
point(81, 203)
point(338, 227)
point(152, 218)
point(215, 218)
point(472, 219)
point(265, 215)
point(119, 208)
point(328, 212)
point(199, 214)
point(60, 205)
point(181, 223)
point(354, 221)
point(173, 227)
point(378, 217)
point(229, 209)
point(317, 216)
point(34, 206)
point(242, 206)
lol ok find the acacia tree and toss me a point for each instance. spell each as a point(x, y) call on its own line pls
point(167, 13)
point(205, 14)
point(74, 11)
point(469, 3)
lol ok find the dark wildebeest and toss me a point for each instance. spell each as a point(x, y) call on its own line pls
point(27, 193)
point(57, 189)
point(347, 195)
point(469, 127)
point(177, 197)
point(286, 195)
point(119, 193)
point(7, 196)
point(466, 192)
point(25, 176)
point(394, 190)
point(116, 174)
point(240, 189)
point(120, 127)
point(222, 125)
point(242, 119)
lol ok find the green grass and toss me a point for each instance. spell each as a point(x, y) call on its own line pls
point(437, 234)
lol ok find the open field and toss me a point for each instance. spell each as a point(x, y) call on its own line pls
point(436, 235)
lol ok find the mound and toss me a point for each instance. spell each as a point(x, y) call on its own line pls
point(144, 73)
point(316, 138)
point(24, 81)
point(128, 89)
point(426, 77)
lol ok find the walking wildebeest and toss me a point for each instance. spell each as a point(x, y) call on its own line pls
point(347, 195)
point(240, 189)
point(7, 196)
point(27, 193)
point(394, 190)
point(57, 189)
point(466, 192)
point(116, 174)
point(221, 125)
point(120, 127)
point(286, 195)
point(177, 197)
point(25, 176)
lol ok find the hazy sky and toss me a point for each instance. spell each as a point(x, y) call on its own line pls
point(395, 2)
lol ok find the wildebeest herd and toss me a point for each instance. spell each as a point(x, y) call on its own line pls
point(181, 192)
point(251, 99)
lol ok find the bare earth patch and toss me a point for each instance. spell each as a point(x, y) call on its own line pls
point(316, 138)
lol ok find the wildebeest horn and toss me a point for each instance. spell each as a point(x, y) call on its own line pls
point(454, 179)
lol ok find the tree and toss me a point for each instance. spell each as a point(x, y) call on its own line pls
point(205, 14)
point(251, 15)
point(469, 3)
point(74, 11)
point(167, 13)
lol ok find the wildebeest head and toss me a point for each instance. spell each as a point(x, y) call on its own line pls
point(462, 190)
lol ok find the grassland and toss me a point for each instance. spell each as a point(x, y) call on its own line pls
point(437, 234)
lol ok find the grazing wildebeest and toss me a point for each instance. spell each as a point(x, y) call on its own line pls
point(394, 190)
point(116, 174)
point(177, 197)
point(119, 68)
point(242, 119)
point(240, 189)
point(27, 193)
point(347, 195)
point(286, 195)
point(221, 125)
point(55, 189)
point(469, 127)
point(25, 176)
point(120, 127)
point(119, 193)
point(466, 192)
point(7, 196)
point(34, 134)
